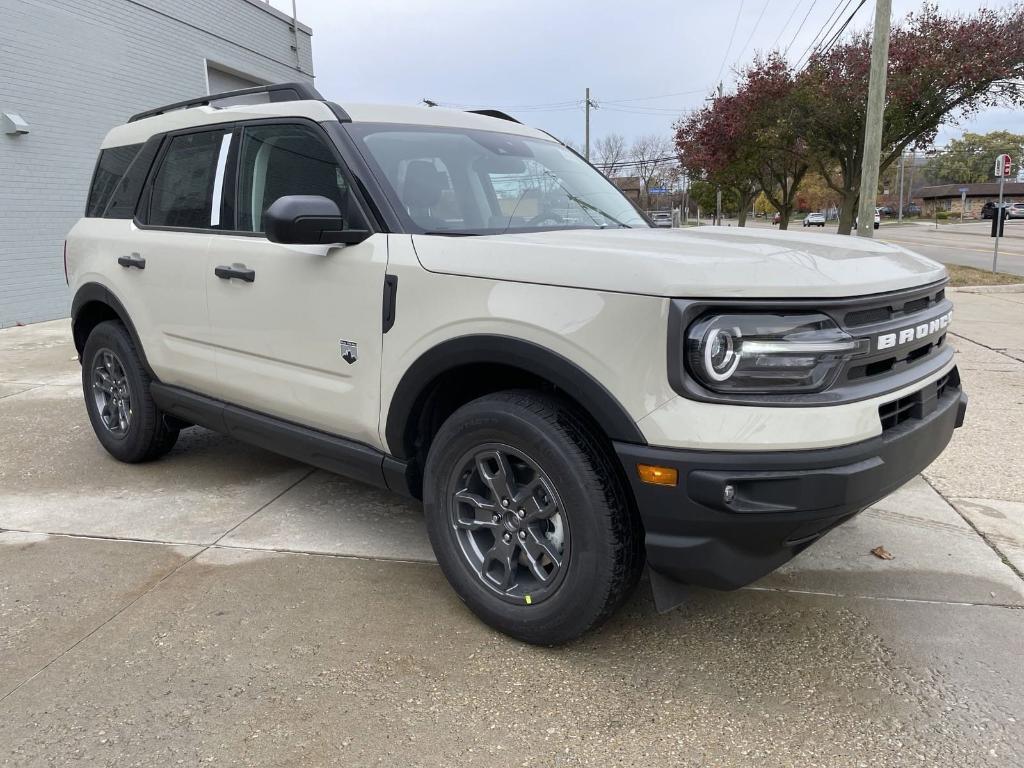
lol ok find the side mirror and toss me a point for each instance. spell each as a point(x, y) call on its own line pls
point(308, 220)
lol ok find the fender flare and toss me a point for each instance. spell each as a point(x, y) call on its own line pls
point(91, 293)
point(594, 397)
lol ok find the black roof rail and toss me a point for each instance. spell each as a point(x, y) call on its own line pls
point(494, 113)
point(274, 91)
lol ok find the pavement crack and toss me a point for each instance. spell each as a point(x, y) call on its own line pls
point(101, 625)
point(255, 512)
point(884, 598)
point(146, 592)
point(997, 350)
point(981, 534)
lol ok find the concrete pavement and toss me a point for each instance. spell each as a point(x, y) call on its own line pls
point(227, 606)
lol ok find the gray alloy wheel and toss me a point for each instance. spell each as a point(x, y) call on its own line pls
point(112, 393)
point(507, 518)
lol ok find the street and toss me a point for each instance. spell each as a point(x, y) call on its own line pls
point(229, 606)
point(969, 244)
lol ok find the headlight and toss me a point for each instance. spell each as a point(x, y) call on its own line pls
point(760, 353)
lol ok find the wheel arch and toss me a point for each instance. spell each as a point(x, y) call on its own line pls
point(93, 304)
point(492, 358)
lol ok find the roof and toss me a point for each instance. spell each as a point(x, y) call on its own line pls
point(177, 117)
point(987, 189)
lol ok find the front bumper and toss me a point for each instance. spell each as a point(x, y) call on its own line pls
point(781, 501)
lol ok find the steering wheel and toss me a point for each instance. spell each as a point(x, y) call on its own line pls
point(544, 217)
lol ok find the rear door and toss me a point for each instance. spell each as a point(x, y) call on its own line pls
point(167, 256)
point(283, 317)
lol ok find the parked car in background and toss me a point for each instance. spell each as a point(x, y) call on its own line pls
point(878, 219)
point(1015, 211)
point(816, 219)
point(662, 218)
point(988, 210)
point(912, 209)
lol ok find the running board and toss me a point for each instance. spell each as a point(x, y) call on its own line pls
point(310, 446)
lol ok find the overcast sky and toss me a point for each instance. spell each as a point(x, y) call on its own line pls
point(534, 58)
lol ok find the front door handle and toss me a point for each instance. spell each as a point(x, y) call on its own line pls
point(132, 261)
point(237, 271)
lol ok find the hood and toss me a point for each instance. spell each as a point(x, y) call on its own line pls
point(699, 262)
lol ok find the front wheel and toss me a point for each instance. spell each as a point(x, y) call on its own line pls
point(528, 517)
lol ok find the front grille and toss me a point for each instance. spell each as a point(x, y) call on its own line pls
point(888, 314)
point(919, 404)
point(894, 307)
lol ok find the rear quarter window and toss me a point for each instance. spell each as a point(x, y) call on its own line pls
point(110, 169)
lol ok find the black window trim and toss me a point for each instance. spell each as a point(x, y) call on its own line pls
point(232, 177)
point(146, 198)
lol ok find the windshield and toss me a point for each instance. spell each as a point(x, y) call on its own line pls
point(468, 182)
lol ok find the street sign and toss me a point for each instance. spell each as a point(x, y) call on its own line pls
point(1003, 166)
point(658, 190)
point(963, 190)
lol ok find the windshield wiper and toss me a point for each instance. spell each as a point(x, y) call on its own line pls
point(585, 205)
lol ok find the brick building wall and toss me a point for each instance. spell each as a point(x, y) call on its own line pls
point(73, 69)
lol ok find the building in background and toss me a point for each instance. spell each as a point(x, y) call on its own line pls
point(72, 69)
point(947, 197)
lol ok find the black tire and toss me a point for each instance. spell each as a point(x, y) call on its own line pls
point(599, 528)
point(145, 435)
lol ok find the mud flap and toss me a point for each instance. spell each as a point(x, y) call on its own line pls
point(668, 594)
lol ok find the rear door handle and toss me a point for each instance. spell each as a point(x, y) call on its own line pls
point(132, 261)
point(237, 271)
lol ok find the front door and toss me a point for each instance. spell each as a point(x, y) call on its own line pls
point(297, 328)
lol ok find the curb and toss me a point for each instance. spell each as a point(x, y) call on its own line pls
point(1010, 288)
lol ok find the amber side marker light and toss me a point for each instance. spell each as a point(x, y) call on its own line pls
point(657, 475)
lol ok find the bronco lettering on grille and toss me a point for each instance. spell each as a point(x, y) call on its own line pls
point(913, 333)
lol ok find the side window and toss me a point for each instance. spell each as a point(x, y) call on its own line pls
point(126, 195)
point(279, 160)
point(190, 176)
point(110, 170)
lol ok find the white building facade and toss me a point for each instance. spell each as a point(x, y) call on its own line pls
point(72, 69)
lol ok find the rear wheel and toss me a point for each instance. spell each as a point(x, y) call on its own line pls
point(528, 517)
point(116, 386)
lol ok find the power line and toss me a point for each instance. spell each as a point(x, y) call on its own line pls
point(786, 25)
point(830, 22)
point(750, 37)
point(652, 98)
point(828, 46)
point(800, 28)
point(648, 110)
point(728, 48)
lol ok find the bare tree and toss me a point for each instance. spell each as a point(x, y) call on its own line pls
point(609, 154)
point(649, 157)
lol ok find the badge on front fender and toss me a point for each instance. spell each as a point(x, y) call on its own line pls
point(349, 351)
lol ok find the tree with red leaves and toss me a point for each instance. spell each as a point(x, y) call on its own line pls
point(749, 140)
point(939, 67)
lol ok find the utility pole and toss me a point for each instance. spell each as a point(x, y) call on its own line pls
point(718, 192)
point(900, 218)
point(875, 114)
point(587, 104)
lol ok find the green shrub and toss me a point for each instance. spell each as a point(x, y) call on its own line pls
point(942, 215)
